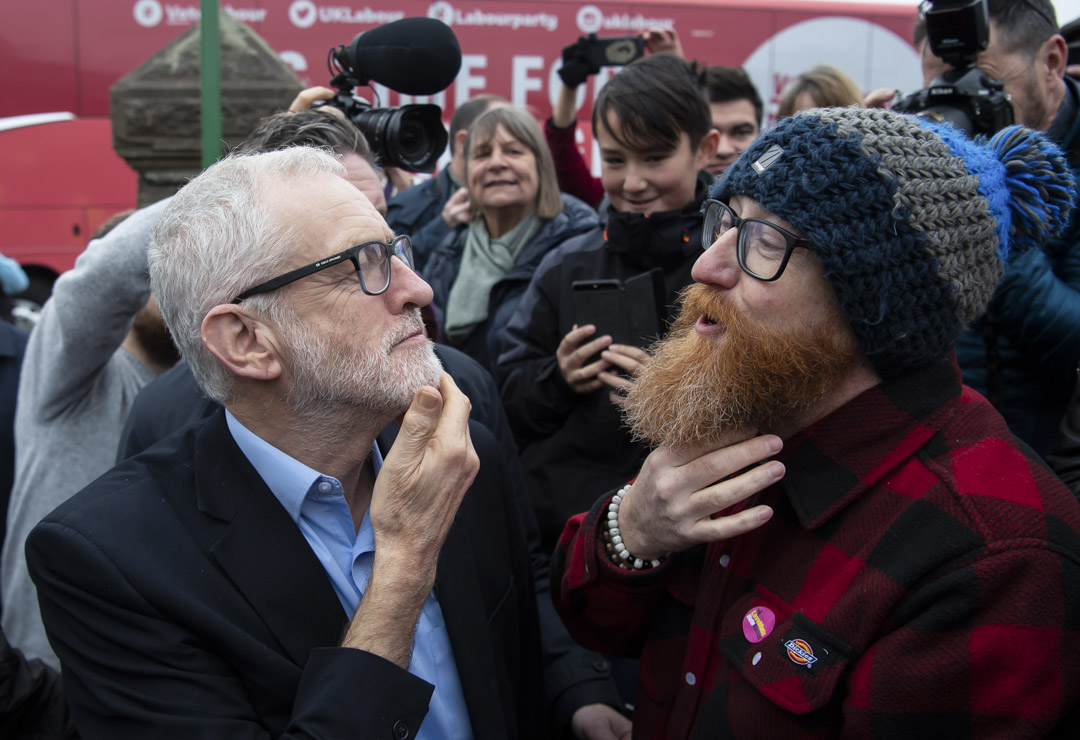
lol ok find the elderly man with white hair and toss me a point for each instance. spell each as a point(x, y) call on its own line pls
point(286, 568)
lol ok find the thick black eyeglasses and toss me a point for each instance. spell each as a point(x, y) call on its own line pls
point(763, 248)
point(371, 260)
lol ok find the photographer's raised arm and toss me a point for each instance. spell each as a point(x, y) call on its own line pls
point(311, 95)
point(560, 131)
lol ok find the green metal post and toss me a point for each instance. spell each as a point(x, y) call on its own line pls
point(210, 82)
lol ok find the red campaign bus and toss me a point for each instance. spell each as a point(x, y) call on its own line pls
point(60, 179)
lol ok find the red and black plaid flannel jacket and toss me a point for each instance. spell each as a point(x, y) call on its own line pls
point(920, 577)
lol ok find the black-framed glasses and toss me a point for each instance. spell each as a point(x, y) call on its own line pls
point(763, 248)
point(371, 260)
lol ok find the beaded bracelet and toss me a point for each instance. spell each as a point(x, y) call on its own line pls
point(616, 550)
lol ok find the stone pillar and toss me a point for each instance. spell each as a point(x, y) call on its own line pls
point(155, 109)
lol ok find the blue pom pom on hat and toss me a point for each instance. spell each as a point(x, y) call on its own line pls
point(911, 221)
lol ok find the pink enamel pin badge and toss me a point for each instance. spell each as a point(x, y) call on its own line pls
point(758, 623)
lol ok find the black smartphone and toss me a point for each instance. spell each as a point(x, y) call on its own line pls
point(614, 51)
point(601, 303)
point(642, 295)
point(627, 310)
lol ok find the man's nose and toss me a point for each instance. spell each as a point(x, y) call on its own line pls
point(407, 288)
point(719, 265)
point(726, 147)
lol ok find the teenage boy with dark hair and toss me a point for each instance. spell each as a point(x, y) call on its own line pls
point(734, 103)
point(655, 135)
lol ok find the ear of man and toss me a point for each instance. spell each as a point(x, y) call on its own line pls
point(706, 150)
point(246, 345)
point(1055, 55)
point(459, 142)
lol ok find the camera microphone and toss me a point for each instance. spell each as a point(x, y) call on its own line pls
point(415, 56)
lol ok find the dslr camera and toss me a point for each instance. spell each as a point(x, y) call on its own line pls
point(411, 137)
point(971, 100)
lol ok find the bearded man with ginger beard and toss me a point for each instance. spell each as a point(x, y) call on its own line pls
point(832, 536)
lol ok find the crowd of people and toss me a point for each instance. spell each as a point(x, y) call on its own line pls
point(760, 433)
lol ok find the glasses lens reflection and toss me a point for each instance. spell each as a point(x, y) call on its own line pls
point(373, 263)
point(763, 247)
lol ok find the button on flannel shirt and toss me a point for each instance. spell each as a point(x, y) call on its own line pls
point(921, 576)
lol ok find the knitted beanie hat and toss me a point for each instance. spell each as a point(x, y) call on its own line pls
point(912, 221)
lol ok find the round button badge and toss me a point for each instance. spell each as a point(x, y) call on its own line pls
point(758, 623)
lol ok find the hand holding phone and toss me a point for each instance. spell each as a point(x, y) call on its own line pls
point(627, 310)
point(589, 53)
point(625, 363)
point(573, 355)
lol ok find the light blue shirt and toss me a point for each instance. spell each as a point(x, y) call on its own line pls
point(317, 504)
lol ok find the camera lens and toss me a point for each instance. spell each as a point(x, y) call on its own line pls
point(411, 137)
point(415, 131)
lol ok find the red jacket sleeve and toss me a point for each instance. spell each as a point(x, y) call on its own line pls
point(570, 168)
point(605, 608)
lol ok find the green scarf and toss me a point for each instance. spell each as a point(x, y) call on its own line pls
point(483, 263)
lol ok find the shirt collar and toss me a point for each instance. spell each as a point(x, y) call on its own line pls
point(834, 460)
point(287, 478)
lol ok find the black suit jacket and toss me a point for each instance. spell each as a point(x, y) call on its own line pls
point(573, 676)
point(184, 602)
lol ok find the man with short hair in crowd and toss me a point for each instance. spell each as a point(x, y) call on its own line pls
point(737, 113)
point(833, 537)
point(322, 127)
point(296, 565)
point(429, 211)
point(1023, 354)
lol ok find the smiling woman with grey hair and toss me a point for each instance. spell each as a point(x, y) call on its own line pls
point(481, 269)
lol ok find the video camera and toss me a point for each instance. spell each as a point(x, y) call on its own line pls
point(957, 30)
point(414, 56)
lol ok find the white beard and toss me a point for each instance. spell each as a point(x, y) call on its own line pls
point(328, 380)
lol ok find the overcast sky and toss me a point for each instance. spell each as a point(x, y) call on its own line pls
point(1066, 10)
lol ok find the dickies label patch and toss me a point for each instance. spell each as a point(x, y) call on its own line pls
point(800, 652)
point(758, 623)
